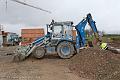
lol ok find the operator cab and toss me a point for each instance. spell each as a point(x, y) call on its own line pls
point(60, 31)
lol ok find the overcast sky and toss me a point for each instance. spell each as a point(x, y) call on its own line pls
point(106, 13)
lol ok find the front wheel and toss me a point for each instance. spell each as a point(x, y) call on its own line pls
point(65, 49)
point(39, 52)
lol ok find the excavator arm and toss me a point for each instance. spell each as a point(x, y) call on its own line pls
point(81, 38)
point(80, 28)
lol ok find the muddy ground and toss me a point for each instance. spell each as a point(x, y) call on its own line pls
point(89, 64)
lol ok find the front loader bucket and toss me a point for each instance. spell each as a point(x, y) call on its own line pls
point(18, 57)
point(21, 53)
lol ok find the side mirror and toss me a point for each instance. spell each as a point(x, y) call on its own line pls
point(51, 28)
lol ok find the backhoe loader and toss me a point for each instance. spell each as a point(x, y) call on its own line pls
point(59, 39)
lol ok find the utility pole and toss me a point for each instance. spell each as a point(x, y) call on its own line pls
point(1, 36)
point(1, 27)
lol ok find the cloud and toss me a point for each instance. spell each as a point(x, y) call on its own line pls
point(105, 13)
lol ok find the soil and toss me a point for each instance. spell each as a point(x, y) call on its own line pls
point(96, 64)
point(115, 44)
point(89, 64)
point(49, 68)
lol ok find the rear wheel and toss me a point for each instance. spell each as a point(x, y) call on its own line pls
point(39, 52)
point(65, 49)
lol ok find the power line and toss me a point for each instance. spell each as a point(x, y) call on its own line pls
point(31, 6)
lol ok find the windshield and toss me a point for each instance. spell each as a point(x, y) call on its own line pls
point(57, 31)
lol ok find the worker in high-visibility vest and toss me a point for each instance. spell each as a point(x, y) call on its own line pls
point(104, 46)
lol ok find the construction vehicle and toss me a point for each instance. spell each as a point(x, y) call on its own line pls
point(59, 39)
point(10, 39)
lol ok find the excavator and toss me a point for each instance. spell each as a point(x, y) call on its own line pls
point(59, 39)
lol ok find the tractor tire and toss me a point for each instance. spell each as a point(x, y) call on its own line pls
point(39, 52)
point(65, 50)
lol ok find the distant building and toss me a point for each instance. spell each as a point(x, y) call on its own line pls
point(8, 38)
point(29, 35)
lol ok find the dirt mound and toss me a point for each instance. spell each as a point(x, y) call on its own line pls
point(116, 45)
point(96, 64)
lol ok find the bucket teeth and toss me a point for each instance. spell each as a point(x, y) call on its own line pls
point(18, 57)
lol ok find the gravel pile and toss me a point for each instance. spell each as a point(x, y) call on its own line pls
point(96, 64)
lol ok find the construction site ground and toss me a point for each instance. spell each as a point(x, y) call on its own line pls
point(89, 64)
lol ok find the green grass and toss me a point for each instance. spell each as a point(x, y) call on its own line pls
point(111, 38)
